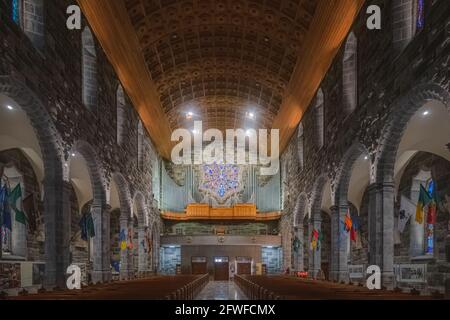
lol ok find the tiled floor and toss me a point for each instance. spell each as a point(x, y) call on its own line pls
point(221, 290)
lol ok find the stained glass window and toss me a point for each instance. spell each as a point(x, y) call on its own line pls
point(420, 19)
point(220, 179)
point(15, 14)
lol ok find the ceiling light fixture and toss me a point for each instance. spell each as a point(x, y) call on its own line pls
point(425, 113)
point(189, 115)
point(9, 107)
point(250, 115)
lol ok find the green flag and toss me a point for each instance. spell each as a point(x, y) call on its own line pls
point(15, 199)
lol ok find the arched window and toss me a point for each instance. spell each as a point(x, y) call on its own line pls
point(89, 63)
point(300, 145)
point(319, 118)
point(29, 15)
point(408, 18)
point(349, 74)
point(140, 145)
point(121, 114)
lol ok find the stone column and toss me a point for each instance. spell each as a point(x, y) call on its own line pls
point(57, 220)
point(101, 267)
point(315, 254)
point(142, 255)
point(299, 258)
point(381, 230)
point(125, 261)
point(339, 244)
point(417, 230)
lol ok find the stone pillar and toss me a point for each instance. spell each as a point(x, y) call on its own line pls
point(299, 258)
point(57, 231)
point(101, 267)
point(142, 255)
point(381, 231)
point(287, 245)
point(417, 230)
point(315, 254)
point(125, 261)
point(339, 244)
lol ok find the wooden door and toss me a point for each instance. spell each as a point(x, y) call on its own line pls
point(221, 269)
point(244, 268)
point(199, 268)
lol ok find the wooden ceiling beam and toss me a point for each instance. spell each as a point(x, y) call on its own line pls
point(331, 24)
point(111, 24)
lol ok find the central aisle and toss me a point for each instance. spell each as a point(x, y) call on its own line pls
point(221, 290)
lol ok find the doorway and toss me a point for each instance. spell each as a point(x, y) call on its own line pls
point(243, 265)
point(221, 269)
point(199, 265)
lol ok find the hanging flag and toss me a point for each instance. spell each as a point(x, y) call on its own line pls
point(314, 239)
point(432, 206)
point(407, 208)
point(87, 227)
point(424, 200)
point(130, 238)
point(122, 240)
point(354, 228)
point(15, 199)
point(348, 222)
point(5, 209)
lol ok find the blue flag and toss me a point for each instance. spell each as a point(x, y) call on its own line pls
point(5, 211)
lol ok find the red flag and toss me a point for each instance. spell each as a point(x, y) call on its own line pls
point(353, 234)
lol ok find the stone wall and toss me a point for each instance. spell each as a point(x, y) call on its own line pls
point(46, 82)
point(392, 83)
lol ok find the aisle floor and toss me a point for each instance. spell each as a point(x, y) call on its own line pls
point(221, 290)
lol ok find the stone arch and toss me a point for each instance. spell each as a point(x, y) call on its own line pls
point(101, 271)
point(126, 259)
point(56, 238)
point(300, 212)
point(342, 179)
point(300, 209)
point(397, 122)
point(141, 212)
point(95, 170)
point(124, 194)
point(381, 192)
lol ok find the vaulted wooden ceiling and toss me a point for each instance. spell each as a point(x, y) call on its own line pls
point(220, 59)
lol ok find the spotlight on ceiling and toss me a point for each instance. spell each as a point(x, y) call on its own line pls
point(9, 107)
point(366, 157)
point(425, 113)
point(189, 115)
point(73, 154)
point(250, 115)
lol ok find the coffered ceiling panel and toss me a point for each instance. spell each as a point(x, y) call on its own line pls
point(230, 63)
point(221, 59)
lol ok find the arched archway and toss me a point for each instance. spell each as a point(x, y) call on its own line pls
point(340, 243)
point(50, 145)
point(300, 211)
point(392, 155)
point(382, 191)
point(320, 267)
point(144, 246)
point(120, 186)
point(101, 270)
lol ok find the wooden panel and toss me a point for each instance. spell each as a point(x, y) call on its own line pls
point(204, 212)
